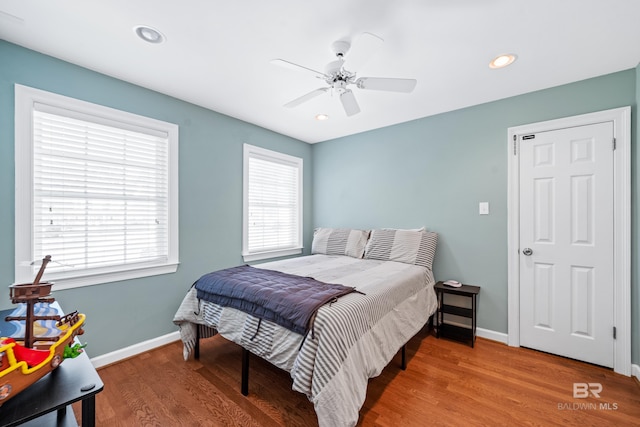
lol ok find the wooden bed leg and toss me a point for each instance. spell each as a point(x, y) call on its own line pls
point(404, 358)
point(244, 386)
point(196, 348)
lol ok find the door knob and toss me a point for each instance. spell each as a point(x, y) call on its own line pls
point(527, 251)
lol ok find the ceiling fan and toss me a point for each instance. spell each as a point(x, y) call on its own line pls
point(339, 78)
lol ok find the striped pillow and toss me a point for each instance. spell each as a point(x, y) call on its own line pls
point(339, 241)
point(410, 247)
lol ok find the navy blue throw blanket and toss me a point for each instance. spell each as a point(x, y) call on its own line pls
point(288, 300)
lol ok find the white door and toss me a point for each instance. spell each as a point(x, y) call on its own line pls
point(566, 242)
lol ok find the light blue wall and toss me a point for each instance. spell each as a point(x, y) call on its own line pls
point(434, 171)
point(126, 313)
point(431, 172)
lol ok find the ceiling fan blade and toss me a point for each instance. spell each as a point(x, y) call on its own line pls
point(389, 84)
point(296, 67)
point(349, 103)
point(307, 97)
point(362, 49)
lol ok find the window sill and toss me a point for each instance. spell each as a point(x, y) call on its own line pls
point(63, 283)
point(271, 254)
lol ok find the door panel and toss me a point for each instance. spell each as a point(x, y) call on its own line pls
point(566, 219)
point(544, 205)
point(582, 301)
point(543, 291)
point(582, 210)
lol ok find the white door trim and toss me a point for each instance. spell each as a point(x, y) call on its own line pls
point(621, 118)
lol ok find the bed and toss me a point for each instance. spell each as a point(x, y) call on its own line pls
point(354, 337)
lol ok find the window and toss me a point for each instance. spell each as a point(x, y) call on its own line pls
point(272, 209)
point(96, 189)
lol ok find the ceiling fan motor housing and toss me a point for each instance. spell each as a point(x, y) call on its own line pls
point(333, 67)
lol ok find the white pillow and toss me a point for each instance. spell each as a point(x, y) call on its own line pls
point(410, 247)
point(339, 241)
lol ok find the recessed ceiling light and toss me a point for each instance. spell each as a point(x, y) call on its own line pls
point(149, 34)
point(502, 61)
point(321, 117)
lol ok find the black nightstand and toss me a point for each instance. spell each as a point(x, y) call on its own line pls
point(453, 331)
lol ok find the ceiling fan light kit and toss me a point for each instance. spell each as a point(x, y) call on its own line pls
point(338, 78)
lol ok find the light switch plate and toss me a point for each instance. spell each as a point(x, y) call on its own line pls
point(483, 208)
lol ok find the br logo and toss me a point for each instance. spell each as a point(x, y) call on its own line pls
point(582, 390)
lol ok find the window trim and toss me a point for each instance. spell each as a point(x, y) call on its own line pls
point(25, 100)
point(277, 157)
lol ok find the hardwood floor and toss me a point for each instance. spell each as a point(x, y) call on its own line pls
point(446, 383)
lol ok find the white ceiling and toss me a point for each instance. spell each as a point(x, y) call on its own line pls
point(217, 53)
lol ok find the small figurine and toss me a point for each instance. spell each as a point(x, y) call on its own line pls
point(74, 351)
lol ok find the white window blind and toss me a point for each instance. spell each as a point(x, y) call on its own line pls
point(273, 203)
point(101, 191)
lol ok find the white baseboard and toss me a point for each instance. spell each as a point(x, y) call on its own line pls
point(635, 371)
point(483, 333)
point(492, 335)
point(124, 353)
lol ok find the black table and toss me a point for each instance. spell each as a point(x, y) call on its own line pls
point(452, 331)
point(48, 401)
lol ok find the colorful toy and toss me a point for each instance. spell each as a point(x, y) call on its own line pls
point(23, 364)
